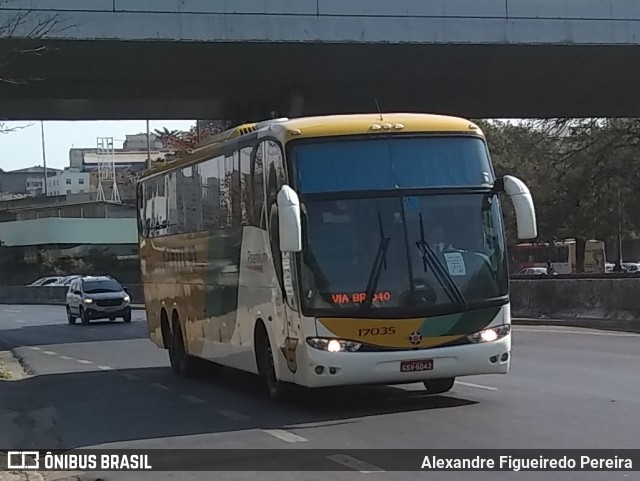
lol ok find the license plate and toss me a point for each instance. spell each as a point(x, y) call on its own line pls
point(420, 365)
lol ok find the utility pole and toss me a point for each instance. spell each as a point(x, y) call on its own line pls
point(44, 160)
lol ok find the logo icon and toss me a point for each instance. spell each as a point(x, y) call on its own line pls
point(23, 460)
point(415, 337)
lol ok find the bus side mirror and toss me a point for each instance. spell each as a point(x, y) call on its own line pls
point(289, 222)
point(523, 204)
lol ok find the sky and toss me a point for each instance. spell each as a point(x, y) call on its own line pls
point(23, 147)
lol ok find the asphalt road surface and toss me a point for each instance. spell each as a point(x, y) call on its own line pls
point(107, 385)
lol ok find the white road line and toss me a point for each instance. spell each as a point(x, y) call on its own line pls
point(193, 399)
point(479, 386)
point(50, 353)
point(584, 333)
point(285, 435)
point(20, 321)
point(12, 311)
point(233, 415)
point(355, 464)
point(106, 368)
point(82, 361)
point(66, 358)
point(161, 386)
point(34, 348)
point(130, 377)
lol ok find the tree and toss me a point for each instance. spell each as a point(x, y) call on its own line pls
point(21, 32)
point(584, 175)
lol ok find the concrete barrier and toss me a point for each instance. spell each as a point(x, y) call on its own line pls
point(611, 303)
point(53, 295)
point(604, 303)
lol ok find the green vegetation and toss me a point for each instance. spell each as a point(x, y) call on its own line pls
point(584, 174)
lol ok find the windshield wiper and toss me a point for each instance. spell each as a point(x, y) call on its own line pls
point(379, 263)
point(430, 258)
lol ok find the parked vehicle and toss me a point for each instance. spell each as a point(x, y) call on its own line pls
point(97, 297)
point(45, 281)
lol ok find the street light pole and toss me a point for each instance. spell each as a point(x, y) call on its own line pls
point(44, 160)
point(148, 146)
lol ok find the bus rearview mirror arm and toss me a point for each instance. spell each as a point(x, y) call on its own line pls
point(289, 220)
point(520, 195)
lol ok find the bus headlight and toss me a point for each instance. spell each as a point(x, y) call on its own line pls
point(333, 345)
point(491, 334)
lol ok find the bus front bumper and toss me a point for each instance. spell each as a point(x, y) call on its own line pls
point(324, 369)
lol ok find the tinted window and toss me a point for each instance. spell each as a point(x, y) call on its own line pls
point(391, 163)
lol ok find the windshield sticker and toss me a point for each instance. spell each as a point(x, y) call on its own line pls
point(359, 297)
point(455, 264)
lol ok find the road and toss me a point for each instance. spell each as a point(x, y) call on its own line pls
point(107, 385)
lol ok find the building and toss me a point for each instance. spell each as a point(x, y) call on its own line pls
point(139, 142)
point(86, 160)
point(69, 181)
point(29, 181)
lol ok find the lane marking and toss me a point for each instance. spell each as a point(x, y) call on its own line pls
point(236, 416)
point(285, 435)
point(193, 399)
point(479, 386)
point(20, 321)
point(66, 358)
point(83, 361)
point(33, 348)
point(11, 311)
point(50, 353)
point(355, 463)
point(161, 386)
point(106, 368)
point(584, 333)
point(130, 377)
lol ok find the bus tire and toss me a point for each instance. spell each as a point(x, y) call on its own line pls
point(438, 386)
point(277, 390)
point(181, 362)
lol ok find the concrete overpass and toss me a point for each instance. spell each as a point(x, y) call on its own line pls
point(242, 59)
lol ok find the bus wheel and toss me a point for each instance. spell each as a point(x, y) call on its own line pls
point(438, 386)
point(266, 367)
point(181, 362)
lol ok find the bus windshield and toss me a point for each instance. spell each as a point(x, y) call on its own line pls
point(423, 253)
point(391, 163)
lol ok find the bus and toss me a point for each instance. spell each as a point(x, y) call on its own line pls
point(561, 254)
point(331, 251)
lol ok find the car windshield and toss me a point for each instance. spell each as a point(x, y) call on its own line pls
point(433, 253)
point(97, 287)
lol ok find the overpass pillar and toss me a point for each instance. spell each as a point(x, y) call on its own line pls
point(296, 104)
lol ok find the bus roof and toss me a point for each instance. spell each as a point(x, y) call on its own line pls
point(359, 124)
point(330, 126)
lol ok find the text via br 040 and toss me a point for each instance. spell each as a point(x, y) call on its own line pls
point(360, 297)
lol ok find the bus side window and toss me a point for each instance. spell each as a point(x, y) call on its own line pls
point(274, 164)
point(257, 186)
point(246, 202)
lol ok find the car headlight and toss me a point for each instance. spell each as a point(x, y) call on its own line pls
point(333, 345)
point(88, 301)
point(491, 334)
point(126, 298)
